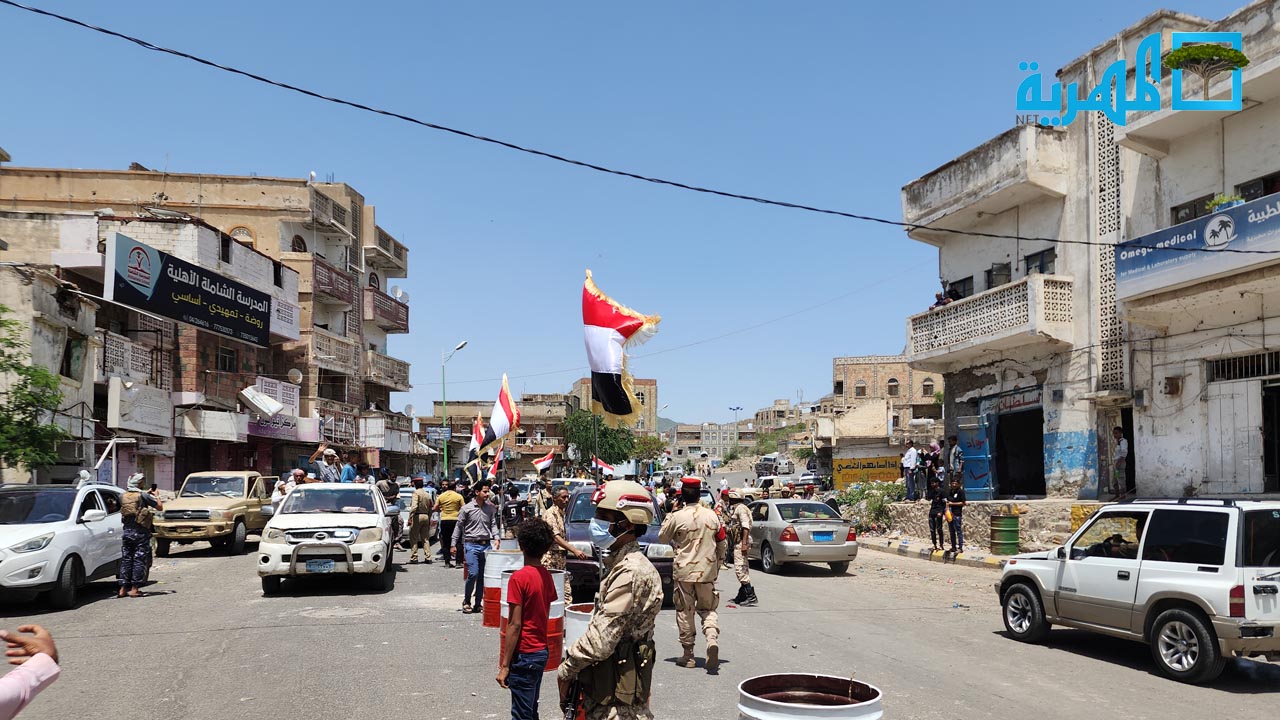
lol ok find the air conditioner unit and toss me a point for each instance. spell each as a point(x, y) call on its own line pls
point(260, 403)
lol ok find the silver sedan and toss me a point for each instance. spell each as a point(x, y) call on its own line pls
point(787, 531)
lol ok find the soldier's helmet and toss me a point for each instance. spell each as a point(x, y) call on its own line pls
point(627, 497)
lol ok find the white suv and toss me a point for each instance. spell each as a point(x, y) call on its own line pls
point(57, 538)
point(1196, 579)
point(328, 528)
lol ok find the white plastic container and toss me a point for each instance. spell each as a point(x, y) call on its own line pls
point(797, 696)
point(576, 619)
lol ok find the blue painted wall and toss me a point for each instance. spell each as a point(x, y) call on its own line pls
point(1071, 460)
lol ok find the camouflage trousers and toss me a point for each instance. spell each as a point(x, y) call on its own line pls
point(135, 556)
point(556, 559)
point(741, 568)
point(699, 599)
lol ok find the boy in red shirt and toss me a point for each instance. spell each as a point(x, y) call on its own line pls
point(530, 592)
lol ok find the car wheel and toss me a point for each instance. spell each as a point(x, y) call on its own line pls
point(669, 596)
point(235, 544)
point(162, 548)
point(271, 584)
point(767, 562)
point(1185, 648)
point(70, 578)
point(385, 580)
point(839, 568)
point(1024, 614)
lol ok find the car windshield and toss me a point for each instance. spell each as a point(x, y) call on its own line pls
point(806, 511)
point(1262, 539)
point(27, 506)
point(328, 500)
point(208, 485)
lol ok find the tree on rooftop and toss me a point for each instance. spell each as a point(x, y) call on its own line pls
point(1205, 61)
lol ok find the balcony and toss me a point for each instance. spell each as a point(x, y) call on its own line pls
point(1025, 163)
point(386, 371)
point(386, 253)
point(340, 420)
point(385, 311)
point(540, 445)
point(387, 431)
point(329, 215)
point(1035, 309)
point(326, 284)
point(331, 351)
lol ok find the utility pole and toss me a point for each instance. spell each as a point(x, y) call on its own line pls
point(444, 412)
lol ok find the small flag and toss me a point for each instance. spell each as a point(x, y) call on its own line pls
point(472, 468)
point(601, 465)
point(608, 329)
point(545, 461)
point(504, 418)
point(496, 467)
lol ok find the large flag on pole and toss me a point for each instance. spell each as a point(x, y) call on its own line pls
point(545, 461)
point(504, 418)
point(609, 328)
point(604, 467)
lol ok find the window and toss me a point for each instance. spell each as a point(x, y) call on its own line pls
point(1190, 210)
point(839, 388)
point(961, 288)
point(926, 388)
point(1042, 262)
point(374, 281)
point(1261, 539)
point(225, 253)
point(298, 244)
point(1113, 535)
point(90, 502)
point(1261, 187)
point(860, 389)
point(998, 275)
point(228, 360)
point(277, 274)
point(111, 500)
point(892, 387)
point(1195, 537)
point(73, 357)
point(760, 513)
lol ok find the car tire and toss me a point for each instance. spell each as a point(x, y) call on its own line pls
point(1185, 647)
point(235, 544)
point(839, 568)
point(162, 548)
point(271, 584)
point(1023, 614)
point(768, 562)
point(669, 596)
point(70, 578)
point(385, 580)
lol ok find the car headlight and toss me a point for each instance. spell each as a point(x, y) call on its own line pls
point(367, 535)
point(36, 543)
point(583, 547)
point(217, 515)
point(273, 534)
point(658, 550)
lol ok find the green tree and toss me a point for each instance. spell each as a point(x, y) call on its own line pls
point(1205, 61)
point(27, 440)
point(803, 453)
point(649, 447)
point(612, 445)
point(731, 455)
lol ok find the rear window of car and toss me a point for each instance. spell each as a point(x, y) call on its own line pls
point(806, 511)
point(1195, 537)
point(1261, 538)
point(582, 509)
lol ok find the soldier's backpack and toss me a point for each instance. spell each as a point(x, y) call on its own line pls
point(132, 508)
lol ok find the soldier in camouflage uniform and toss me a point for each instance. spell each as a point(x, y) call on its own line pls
point(626, 607)
point(557, 557)
point(695, 534)
point(740, 538)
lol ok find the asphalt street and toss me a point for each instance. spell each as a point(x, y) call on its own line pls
point(206, 645)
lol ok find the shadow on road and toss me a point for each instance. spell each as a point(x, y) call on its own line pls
point(1241, 676)
point(330, 585)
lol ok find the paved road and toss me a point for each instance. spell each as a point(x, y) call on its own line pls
point(209, 646)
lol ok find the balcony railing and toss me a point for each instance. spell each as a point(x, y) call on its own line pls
point(546, 441)
point(331, 351)
point(385, 311)
point(385, 252)
point(326, 283)
point(386, 371)
point(1035, 309)
point(340, 419)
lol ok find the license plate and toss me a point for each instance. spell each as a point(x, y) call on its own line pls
point(319, 566)
point(824, 536)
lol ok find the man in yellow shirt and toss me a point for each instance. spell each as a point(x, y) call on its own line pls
point(448, 505)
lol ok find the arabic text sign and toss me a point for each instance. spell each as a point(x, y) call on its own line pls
point(145, 278)
point(1161, 260)
point(848, 471)
point(1063, 104)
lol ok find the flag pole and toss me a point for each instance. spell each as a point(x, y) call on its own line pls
point(595, 450)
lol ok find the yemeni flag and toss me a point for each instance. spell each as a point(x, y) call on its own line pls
point(504, 418)
point(609, 329)
point(545, 461)
point(602, 466)
point(496, 467)
point(472, 467)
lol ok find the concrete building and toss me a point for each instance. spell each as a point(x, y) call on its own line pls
point(1202, 357)
point(646, 392)
point(541, 430)
point(778, 415)
point(909, 394)
point(328, 234)
point(57, 328)
point(707, 442)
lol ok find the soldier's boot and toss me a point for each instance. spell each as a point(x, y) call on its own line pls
point(713, 655)
point(686, 660)
point(742, 594)
point(750, 600)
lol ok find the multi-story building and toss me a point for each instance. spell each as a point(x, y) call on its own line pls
point(910, 394)
point(541, 430)
point(344, 259)
point(646, 392)
point(778, 415)
point(710, 441)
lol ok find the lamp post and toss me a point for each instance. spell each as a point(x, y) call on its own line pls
point(735, 410)
point(444, 410)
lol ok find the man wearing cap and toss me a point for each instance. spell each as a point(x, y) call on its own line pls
point(740, 540)
point(420, 520)
point(698, 539)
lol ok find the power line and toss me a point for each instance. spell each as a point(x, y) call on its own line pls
point(589, 165)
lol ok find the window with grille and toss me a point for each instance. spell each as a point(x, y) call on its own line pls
point(1190, 210)
point(1259, 187)
point(277, 274)
point(860, 389)
point(926, 388)
point(839, 388)
point(228, 360)
point(998, 275)
point(1244, 367)
point(892, 387)
point(1043, 262)
point(961, 288)
point(298, 244)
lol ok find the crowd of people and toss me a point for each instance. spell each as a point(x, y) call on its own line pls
point(938, 471)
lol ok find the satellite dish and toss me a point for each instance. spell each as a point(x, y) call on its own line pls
point(295, 376)
point(408, 410)
point(396, 292)
point(404, 297)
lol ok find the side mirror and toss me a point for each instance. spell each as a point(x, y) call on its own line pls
point(93, 516)
point(393, 510)
point(268, 511)
point(1062, 552)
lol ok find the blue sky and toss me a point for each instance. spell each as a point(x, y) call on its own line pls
point(830, 104)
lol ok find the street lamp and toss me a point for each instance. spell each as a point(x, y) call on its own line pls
point(735, 427)
point(444, 410)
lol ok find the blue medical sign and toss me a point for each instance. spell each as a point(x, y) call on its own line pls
point(1111, 96)
point(1194, 250)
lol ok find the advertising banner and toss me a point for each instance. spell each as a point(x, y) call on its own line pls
point(142, 277)
point(280, 427)
point(851, 471)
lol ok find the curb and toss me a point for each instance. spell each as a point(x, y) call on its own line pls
point(903, 547)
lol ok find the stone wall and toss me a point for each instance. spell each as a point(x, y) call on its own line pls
point(1042, 523)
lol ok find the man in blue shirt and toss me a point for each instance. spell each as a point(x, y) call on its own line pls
point(349, 474)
